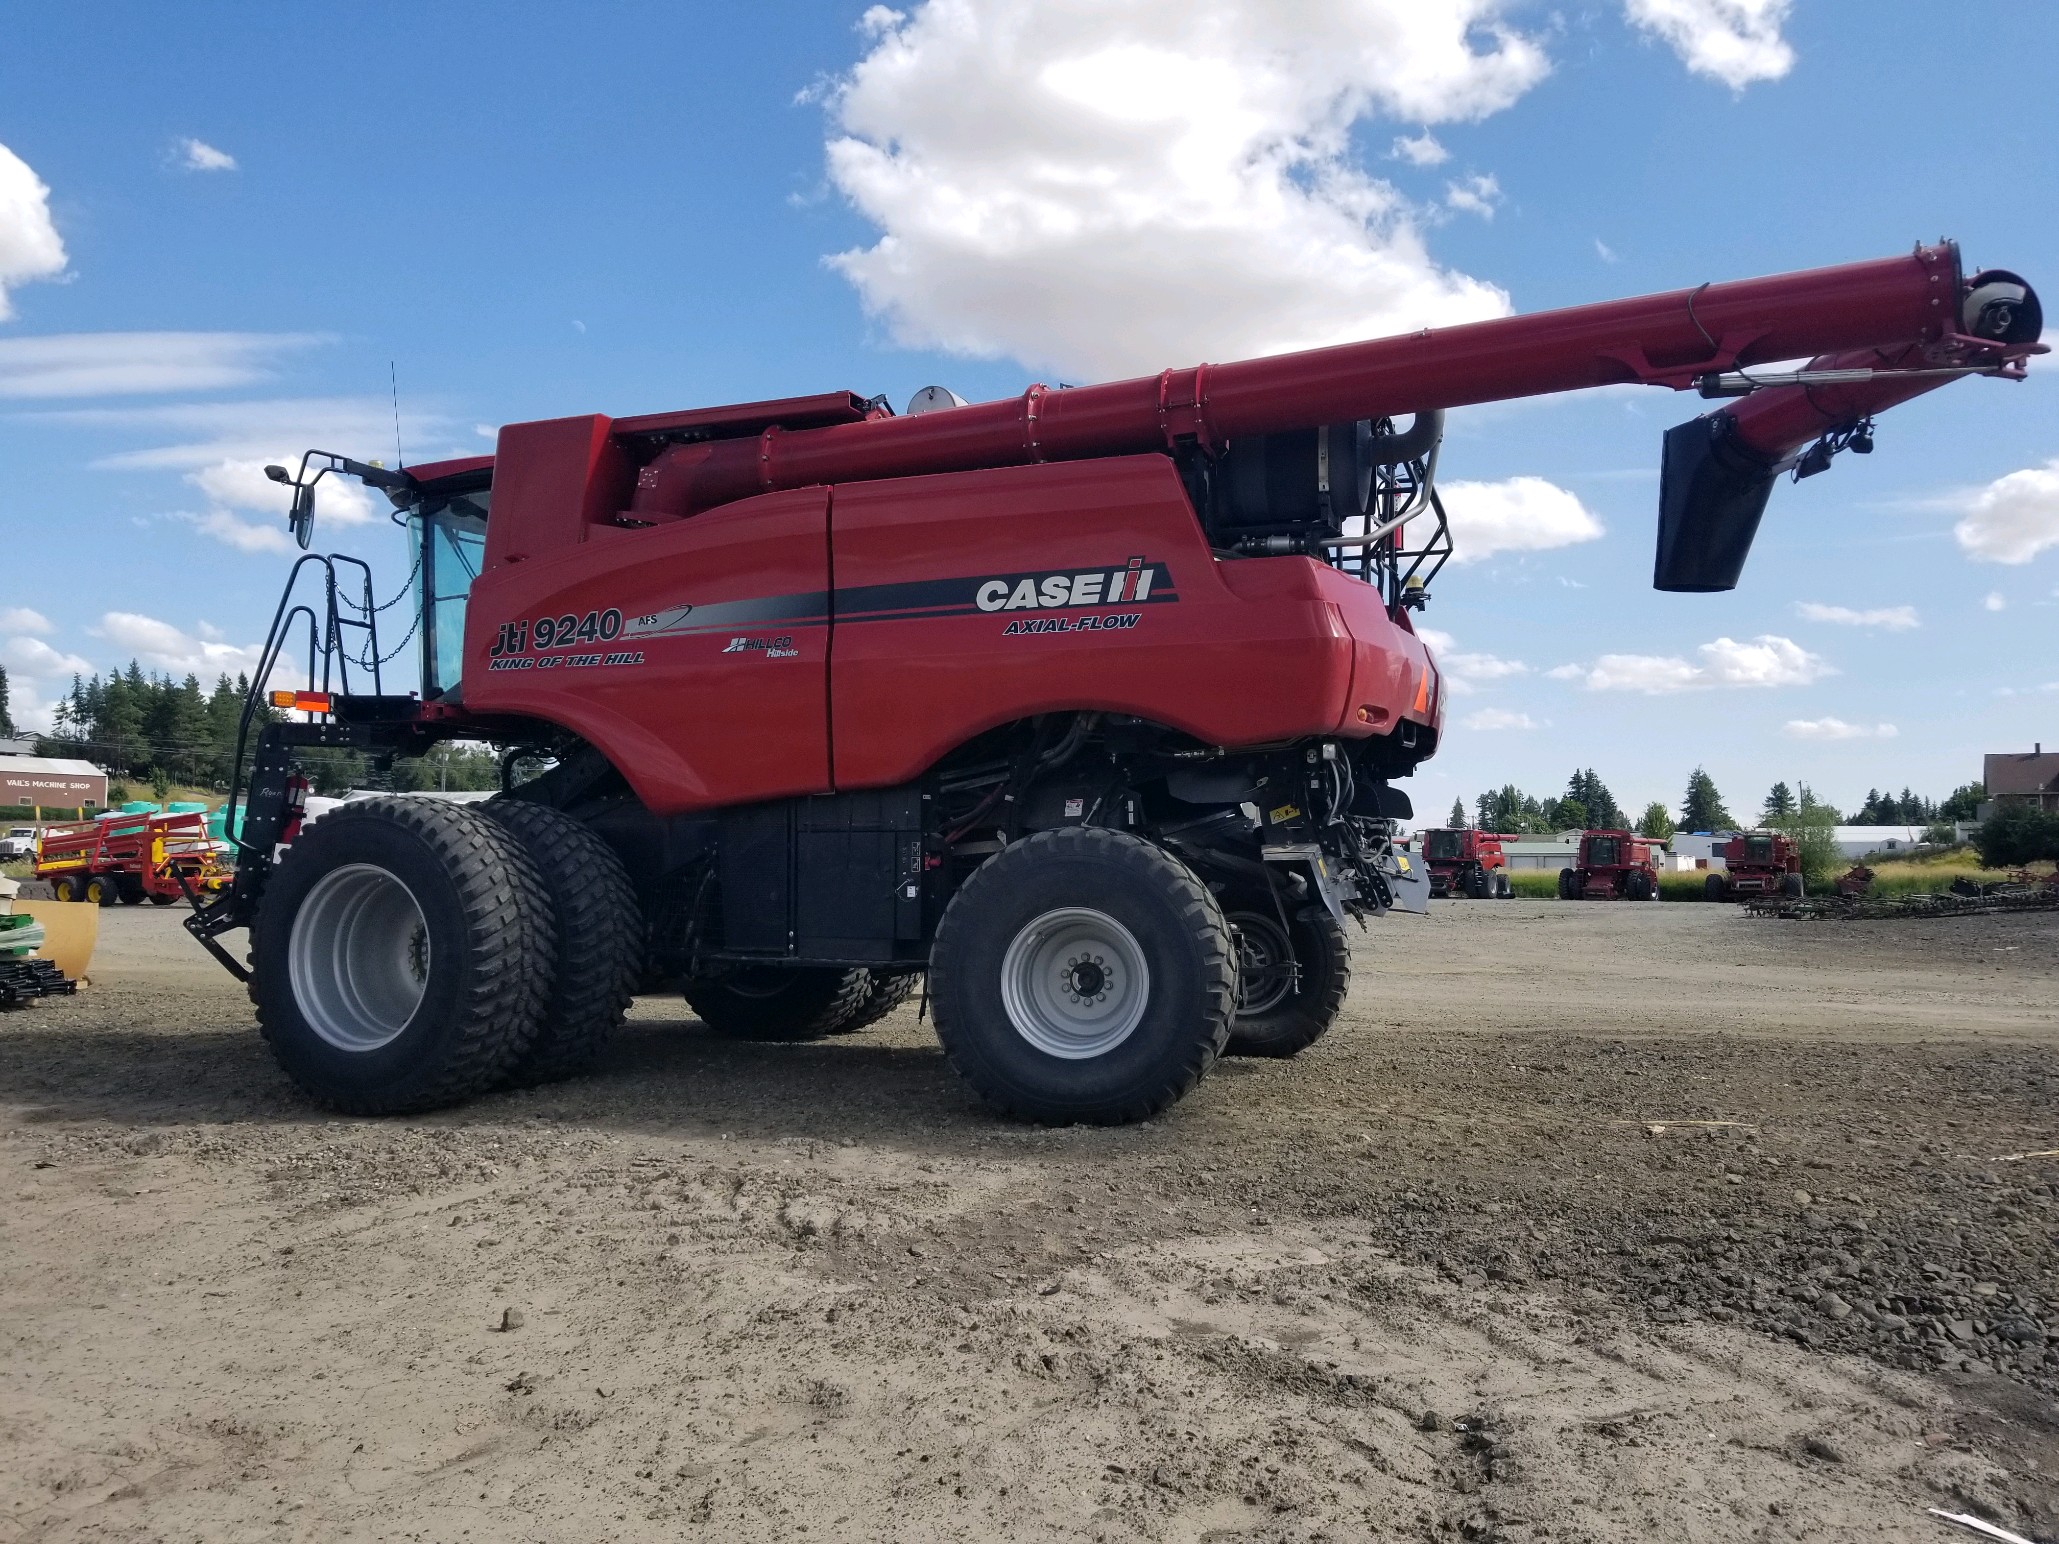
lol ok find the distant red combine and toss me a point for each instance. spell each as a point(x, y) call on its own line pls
point(1758, 863)
point(1613, 866)
point(1470, 863)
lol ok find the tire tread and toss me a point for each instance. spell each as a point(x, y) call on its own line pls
point(600, 939)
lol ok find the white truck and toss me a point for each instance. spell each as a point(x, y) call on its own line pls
point(19, 842)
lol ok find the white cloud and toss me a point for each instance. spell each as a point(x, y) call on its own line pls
point(1605, 252)
point(1464, 671)
point(109, 364)
point(30, 247)
point(1474, 195)
point(234, 531)
point(1734, 41)
point(1893, 618)
point(1136, 183)
point(1994, 601)
point(237, 483)
point(1522, 514)
point(2013, 518)
point(21, 619)
point(1838, 729)
point(210, 432)
point(33, 657)
point(1488, 719)
point(1419, 150)
point(1766, 661)
point(161, 646)
point(197, 155)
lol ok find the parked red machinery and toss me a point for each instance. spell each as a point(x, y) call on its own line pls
point(1757, 863)
point(1466, 862)
point(1089, 703)
point(1612, 866)
point(129, 858)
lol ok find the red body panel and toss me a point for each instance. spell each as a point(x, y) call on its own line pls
point(690, 721)
point(723, 681)
point(1233, 653)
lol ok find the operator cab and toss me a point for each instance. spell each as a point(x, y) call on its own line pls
point(1441, 846)
point(447, 532)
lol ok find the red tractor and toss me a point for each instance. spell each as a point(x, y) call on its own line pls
point(1612, 866)
point(1466, 862)
point(1757, 863)
point(1091, 704)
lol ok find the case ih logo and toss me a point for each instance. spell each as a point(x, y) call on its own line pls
point(1126, 586)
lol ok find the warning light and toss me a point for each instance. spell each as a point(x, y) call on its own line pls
point(303, 702)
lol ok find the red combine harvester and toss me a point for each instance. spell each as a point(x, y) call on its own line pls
point(1612, 866)
point(1466, 862)
point(1090, 703)
point(1757, 863)
point(129, 858)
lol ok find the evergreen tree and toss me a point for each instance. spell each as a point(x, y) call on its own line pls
point(1702, 809)
point(6, 718)
point(1963, 802)
point(1588, 791)
point(1458, 814)
point(1655, 822)
point(1779, 804)
point(1813, 811)
point(1569, 815)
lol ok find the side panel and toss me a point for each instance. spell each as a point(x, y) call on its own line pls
point(712, 688)
point(954, 606)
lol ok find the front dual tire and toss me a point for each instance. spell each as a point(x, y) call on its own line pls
point(410, 954)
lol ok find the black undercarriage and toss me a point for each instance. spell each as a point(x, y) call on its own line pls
point(863, 878)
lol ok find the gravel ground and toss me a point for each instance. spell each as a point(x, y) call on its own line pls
point(1594, 1222)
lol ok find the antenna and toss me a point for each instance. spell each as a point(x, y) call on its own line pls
point(393, 380)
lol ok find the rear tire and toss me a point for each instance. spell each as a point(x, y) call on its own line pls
point(1083, 975)
point(779, 1002)
point(888, 993)
point(1504, 887)
point(403, 955)
point(101, 890)
point(157, 899)
point(1715, 888)
point(1278, 1014)
point(1568, 885)
point(600, 939)
point(68, 887)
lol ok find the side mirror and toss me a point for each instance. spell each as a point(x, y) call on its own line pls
point(301, 518)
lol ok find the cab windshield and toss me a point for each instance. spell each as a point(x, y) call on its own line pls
point(1439, 845)
point(1758, 849)
point(1601, 852)
point(449, 533)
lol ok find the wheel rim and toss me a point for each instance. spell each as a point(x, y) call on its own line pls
point(359, 957)
point(1074, 983)
point(1265, 964)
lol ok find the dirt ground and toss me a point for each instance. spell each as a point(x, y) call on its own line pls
point(1601, 1222)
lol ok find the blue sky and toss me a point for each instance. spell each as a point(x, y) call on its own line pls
point(533, 210)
